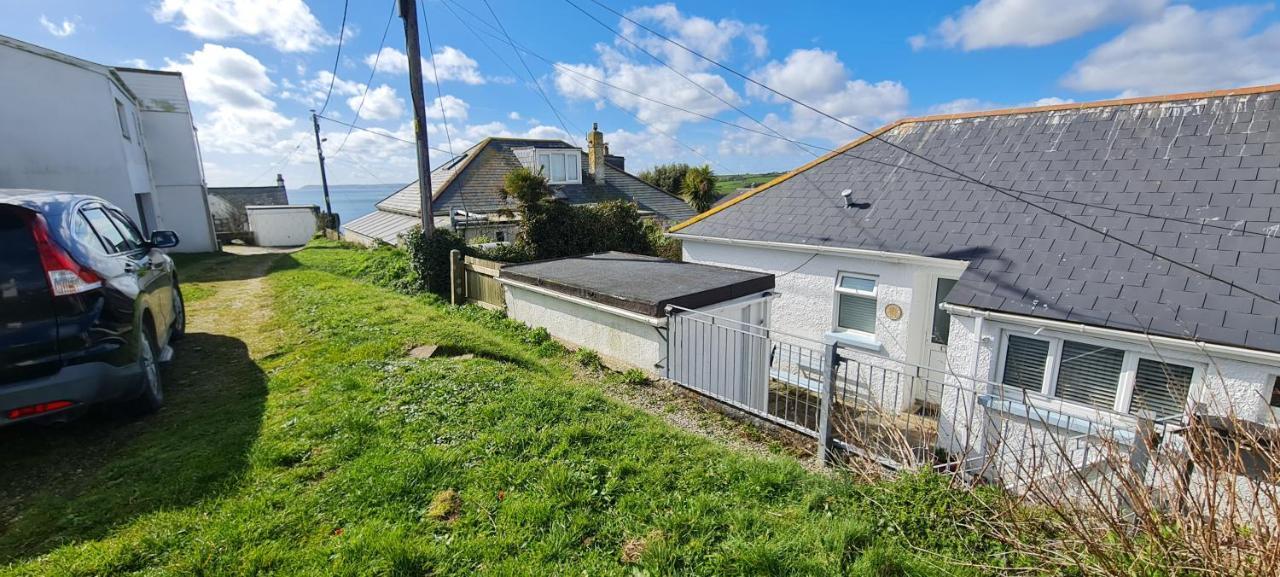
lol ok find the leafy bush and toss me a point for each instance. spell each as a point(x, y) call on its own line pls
point(588, 359)
point(660, 244)
point(668, 177)
point(536, 336)
point(553, 229)
point(506, 252)
point(429, 257)
point(634, 377)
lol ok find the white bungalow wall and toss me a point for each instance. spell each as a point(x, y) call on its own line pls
point(804, 310)
point(1223, 386)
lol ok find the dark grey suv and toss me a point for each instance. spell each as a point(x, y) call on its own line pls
point(88, 306)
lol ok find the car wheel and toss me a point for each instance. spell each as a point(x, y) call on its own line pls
point(179, 327)
point(152, 394)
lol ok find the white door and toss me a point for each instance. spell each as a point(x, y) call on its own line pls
point(937, 334)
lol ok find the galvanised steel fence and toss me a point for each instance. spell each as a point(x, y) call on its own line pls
point(897, 414)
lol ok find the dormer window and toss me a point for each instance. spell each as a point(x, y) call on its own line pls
point(560, 166)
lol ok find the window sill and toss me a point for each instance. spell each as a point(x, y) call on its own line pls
point(1121, 431)
point(854, 340)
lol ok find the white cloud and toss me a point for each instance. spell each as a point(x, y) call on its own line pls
point(379, 103)
point(60, 29)
point(513, 115)
point(818, 78)
point(455, 109)
point(451, 63)
point(633, 73)
point(388, 60)
point(287, 25)
point(1184, 49)
point(713, 39)
point(135, 63)
point(995, 23)
point(653, 84)
point(313, 91)
point(962, 105)
point(235, 85)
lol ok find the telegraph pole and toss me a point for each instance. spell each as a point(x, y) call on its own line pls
point(409, 13)
point(324, 179)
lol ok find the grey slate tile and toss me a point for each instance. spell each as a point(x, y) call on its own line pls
point(1217, 169)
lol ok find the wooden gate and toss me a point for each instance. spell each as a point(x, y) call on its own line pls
point(475, 280)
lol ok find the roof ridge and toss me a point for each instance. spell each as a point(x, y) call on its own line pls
point(1242, 91)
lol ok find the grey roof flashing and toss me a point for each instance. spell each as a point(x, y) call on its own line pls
point(639, 284)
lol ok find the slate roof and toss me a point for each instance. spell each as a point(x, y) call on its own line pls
point(473, 185)
point(1195, 176)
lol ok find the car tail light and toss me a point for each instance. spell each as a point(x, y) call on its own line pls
point(66, 276)
point(37, 409)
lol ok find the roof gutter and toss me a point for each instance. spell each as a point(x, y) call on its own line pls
point(626, 314)
point(880, 255)
point(1187, 345)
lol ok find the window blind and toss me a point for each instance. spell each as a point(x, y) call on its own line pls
point(557, 168)
point(1089, 374)
point(857, 313)
point(1024, 361)
point(1160, 388)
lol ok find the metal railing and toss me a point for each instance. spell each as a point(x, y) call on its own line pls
point(895, 413)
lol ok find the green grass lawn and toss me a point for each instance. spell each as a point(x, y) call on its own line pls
point(333, 453)
point(728, 183)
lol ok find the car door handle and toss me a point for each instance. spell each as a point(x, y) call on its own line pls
point(130, 267)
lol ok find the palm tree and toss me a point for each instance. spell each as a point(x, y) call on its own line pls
point(699, 188)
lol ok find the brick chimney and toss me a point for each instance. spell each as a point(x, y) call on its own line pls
point(596, 151)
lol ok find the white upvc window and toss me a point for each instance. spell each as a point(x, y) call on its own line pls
point(560, 166)
point(856, 303)
point(1095, 374)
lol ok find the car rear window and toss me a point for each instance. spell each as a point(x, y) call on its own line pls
point(107, 231)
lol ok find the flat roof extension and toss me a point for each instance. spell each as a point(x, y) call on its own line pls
point(637, 283)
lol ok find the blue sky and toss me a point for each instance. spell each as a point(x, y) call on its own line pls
point(254, 68)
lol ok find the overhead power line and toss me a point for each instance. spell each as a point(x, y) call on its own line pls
point(382, 134)
point(874, 136)
point(435, 74)
point(377, 56)
point(342, 33)
point(282, 161)
point(600, 95)
point(809, 145)
point(532, 77)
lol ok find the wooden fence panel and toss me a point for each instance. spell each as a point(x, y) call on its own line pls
point(477, 282)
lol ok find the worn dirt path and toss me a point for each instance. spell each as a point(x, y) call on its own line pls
point(214, 376)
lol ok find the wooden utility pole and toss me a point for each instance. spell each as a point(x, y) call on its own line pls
point(324, 179)
point(409, 13)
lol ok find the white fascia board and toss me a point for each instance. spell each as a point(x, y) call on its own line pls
point(1186, 345)
point(896, 257)
point(626, 314)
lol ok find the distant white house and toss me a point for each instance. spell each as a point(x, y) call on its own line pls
point(124, 134)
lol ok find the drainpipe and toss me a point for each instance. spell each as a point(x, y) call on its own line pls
point(977, 349)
